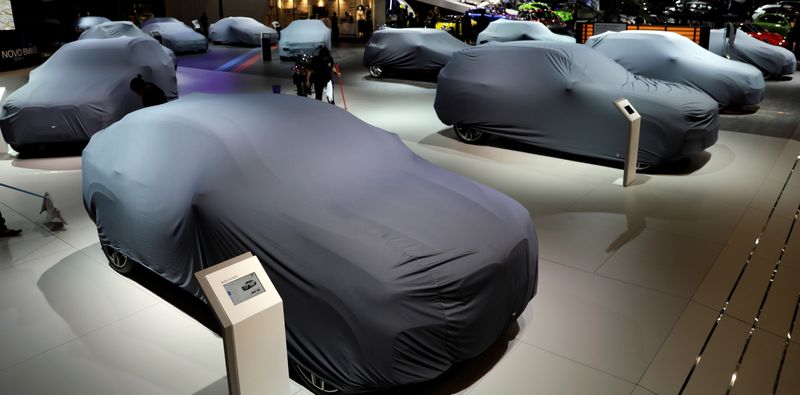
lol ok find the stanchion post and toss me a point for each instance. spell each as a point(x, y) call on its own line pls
point(635, 121)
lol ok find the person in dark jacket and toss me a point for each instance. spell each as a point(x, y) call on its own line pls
point(151, 94)
point(319, 70)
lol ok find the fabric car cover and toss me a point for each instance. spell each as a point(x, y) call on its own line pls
point(84, 87)
point(86, 22)
point(669, 56)
point(411, 49)
point(240, 30)
point(304, 34)
point(391, 269)
point(121, 29)
point(507, 30)
point(113, 29)
point(177, 36)
point(560, 96)
point(770, 59)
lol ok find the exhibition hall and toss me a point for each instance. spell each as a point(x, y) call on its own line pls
point(399, 197)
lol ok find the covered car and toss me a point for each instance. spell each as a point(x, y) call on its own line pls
point(390, 268)
point(303, 35)
point(669, 56)
point(82, 88)
point(86, 22)
point(122, 29)
point(175, 35)
point(561, 98)
point(413, 49)
point(240, 30)
point(503, 30)
point(772, 60)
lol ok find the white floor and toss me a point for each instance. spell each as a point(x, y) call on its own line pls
point(631, 279)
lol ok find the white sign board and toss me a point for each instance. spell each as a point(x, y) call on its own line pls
point(635, 120)
point(251, 313)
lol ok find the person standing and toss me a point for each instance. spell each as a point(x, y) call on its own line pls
point(204, 24)
point(151, 94)
point(793, 38)
point(334, 29)
point(319, 70)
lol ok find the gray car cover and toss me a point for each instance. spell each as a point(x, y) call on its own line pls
point(772, 60)
point(86, 22)
point(122, 29)
point(507, 30)
point(669, 56)
point(83, 88)
point(560, 96)
point(240, 30)
point(411, 49)
point(304, 34)
point(177, 36)
point(391, 269)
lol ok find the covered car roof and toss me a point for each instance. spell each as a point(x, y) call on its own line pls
point(240, 30)
point(390, 268)
point(177, 36)
point(122, 29)
point(86, 22)
point(507, 30)
point(770, 59)
point(84, 87)
point(411, 49)
point(671, 57)
point(304, 34)
point(560, 96)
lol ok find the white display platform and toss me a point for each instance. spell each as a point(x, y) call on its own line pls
point(251, 313)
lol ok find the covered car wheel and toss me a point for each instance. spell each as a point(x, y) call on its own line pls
point(119, 262)
point(469, 135)
point(314, 382)
point(375, 71)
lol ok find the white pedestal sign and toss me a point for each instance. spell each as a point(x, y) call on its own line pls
point(635, 120)
point(251, 313)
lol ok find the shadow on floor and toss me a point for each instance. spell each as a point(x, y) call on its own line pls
point(678, 167)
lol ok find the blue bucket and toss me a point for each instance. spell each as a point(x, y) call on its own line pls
point(276, 89)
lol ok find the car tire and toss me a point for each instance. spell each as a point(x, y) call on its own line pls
point(375, 71)
point(469, 135)
point(313, 382)
point(119, 262)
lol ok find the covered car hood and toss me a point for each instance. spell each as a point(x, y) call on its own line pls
point(560, 96)
point(411, 49)
point(390, 269)
point(240, 30)
point(177, 36)
point(669, 56)
point(770, 59)
point(507, 30)
point(305, 34)
point(84, 87)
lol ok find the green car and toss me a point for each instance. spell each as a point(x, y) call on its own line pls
point(565, 15)
point(776, 23)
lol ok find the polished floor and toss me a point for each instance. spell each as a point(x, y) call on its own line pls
point(688, 280)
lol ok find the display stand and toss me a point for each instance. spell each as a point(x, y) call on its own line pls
point(251, 313)
point(635, 120)
point(266, 47)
